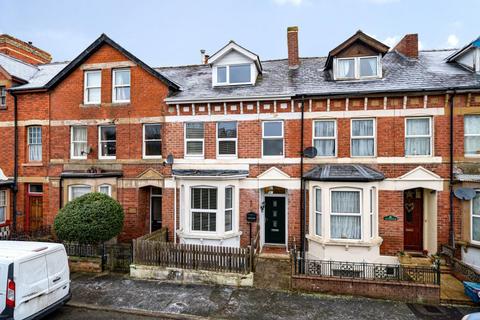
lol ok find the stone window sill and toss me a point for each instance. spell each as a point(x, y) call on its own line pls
point(346, 243)
point(32, 164)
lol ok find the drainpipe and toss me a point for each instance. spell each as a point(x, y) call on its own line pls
point(174, 209)
point(303, 212)
point(15, 161)
point(452, 229)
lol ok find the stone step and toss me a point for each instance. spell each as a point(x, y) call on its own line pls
point(272, 271)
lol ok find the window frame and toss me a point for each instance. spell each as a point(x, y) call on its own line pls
point(335, 136)
point(232, 209)
point(100, 155)
point(227, 78)
point(144, 142)
point(35, 144)
point(114, 86)
point(70, 190)
point(374, 137)
point(469, 155)
point(317, 212)
point(430, 136)
point(186, 140)
point(192, 210)
point(109, 193)
point(72, 156)
point(3, 97)
point(356, 68)
point(86, 87)
point(372, 212)
point(273, 138)
point(472, 216)
point(227, 139)
point(343, 214)
point(4, 205)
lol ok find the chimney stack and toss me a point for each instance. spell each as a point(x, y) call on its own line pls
point(408, 46)
point(292, 43)
point(22, 50)
point(204, 57)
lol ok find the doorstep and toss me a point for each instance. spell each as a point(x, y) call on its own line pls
point(273, 250)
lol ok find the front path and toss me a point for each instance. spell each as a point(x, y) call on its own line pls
point(119, 292)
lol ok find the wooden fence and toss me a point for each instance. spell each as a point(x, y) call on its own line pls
point(192, 256)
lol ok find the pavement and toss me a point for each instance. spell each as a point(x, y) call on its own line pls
point(73, 313)
point(119, 293)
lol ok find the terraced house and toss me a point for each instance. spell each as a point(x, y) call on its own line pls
point(348, 155)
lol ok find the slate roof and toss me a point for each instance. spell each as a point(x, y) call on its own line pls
point(430, 72)
point(344, 172)
point(208, 173)
point(17, 68)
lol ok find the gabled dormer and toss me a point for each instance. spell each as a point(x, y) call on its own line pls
point(468, 56)
point(358, 57)
point(234, 65)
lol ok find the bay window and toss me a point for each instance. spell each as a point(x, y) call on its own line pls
point(3, 97)
point(318, 211)
point(77, 191)
point(107, 148)
point(418, 137)
point(121, 85)
point(227, 139)
point(152, 141)
point(346, 215)
point(92, 87)
point(472, 135)
point(228, 209)
point(34, 143)
point(475, 222)
point(204, 209)
point(272, 135)
point(3, 206)
point(105, 189)
point(324, 138)
point(363, 138)
point(78, 144)
point(194, 139)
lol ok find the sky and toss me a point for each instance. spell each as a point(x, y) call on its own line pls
point(172, 32)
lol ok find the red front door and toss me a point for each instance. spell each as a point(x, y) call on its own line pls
point(413, 217)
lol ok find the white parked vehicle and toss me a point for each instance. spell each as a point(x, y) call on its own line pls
point(34, 279)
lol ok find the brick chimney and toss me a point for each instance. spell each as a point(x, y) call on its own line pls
point(22, 50)
point(408, 46)
point(292, 42)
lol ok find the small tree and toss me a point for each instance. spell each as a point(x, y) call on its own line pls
point(91, 218)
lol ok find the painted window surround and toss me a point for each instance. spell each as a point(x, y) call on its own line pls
point(185, 209)
point(357, 68)
point(93, 183)
point(367, 239)
point(228, 83)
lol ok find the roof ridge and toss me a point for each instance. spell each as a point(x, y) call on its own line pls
point(438, 50)
point(19, 60)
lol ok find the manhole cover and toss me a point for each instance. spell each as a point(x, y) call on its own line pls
point(435, 312)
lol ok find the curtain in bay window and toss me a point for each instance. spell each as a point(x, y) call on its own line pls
point(318, 212)
point(345, 226)
point(3, 203)
point(476, 218)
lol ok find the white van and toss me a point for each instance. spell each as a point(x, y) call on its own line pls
point(34, 279)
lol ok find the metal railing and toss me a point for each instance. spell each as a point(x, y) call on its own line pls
point(366, 271)
point(459, 266)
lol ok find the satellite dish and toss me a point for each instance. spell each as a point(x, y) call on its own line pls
point(465, 193)
point(169, 159)
point(310, 152)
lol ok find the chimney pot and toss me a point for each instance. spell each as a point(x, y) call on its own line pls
point(203, 56)
point(292, 44)
point(408, 46)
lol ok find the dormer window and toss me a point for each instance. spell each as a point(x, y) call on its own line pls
point(357, 68)
point(234, 74)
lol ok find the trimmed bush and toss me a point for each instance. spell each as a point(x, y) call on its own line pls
point(90, 219)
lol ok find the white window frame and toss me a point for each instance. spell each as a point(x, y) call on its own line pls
point(114, 86)
point(144, 155)
point(317, 212)
point(227, 139)
point(274, 138)
point(217, 210)
point(356, 68)
point(70, 189)
point(430, 136)
point(4, 205)
point(86, 88)
point(35, 144)
point(3, 96)
point(193, 140)
point(232, 209)
point(472, 216)
point(326, 138)
point(228, 83)
point(100, 155)
point(374, 137)
point(105, 185)
point(360, 214)
point(372, 212)
point(72, 142)
point(469, 155)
